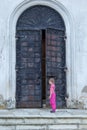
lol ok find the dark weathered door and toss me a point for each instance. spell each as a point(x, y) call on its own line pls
point(28, 69)
point(55, 64)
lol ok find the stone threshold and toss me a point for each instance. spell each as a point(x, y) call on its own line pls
point(62, 113)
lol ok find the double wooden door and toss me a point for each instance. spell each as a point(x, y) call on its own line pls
point(40, 55)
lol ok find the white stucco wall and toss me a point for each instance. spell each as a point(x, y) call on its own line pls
point(78, 11)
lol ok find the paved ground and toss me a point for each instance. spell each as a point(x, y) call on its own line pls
point(43, 113)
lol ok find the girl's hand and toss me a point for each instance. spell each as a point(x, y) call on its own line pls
point(49, 97)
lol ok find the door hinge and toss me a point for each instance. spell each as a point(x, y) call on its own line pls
point(65, 69)
point(65, 37)
point(17, 37)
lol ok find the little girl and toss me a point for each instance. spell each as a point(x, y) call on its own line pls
point(52, 96)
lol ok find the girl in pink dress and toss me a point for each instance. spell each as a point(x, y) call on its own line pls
point(52, 96)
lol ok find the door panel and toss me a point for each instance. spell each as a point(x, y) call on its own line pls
point(28, 69)
point(55, 64)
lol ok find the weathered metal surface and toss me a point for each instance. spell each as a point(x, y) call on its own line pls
point(29, 57)
point(28, 69)
point(56, 63)
point(40, 17)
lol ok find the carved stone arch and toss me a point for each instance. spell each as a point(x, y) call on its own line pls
point(70, 43)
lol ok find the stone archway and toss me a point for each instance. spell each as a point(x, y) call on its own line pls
point(70, 57)
point(40, 54)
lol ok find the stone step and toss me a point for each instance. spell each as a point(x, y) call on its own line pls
point(31, 119)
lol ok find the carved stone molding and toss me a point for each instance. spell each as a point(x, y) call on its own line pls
point(2, 102)
point(10, 103)
point(76, 104)
point(7, 104)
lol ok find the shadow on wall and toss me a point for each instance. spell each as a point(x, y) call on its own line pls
point(83, 97)
point(84, 90)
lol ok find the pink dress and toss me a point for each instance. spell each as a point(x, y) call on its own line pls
point(53, 97)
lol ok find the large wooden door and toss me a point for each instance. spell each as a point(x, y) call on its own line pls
point(28, 69)
point(55, 64)
point(39, 56)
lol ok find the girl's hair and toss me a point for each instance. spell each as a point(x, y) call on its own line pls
point(52, 80)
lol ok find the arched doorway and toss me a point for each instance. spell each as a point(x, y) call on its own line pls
point(40, 54)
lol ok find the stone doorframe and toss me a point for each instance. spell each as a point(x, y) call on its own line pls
point(70, 44)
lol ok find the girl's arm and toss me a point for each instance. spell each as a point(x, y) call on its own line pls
point(51, 91)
